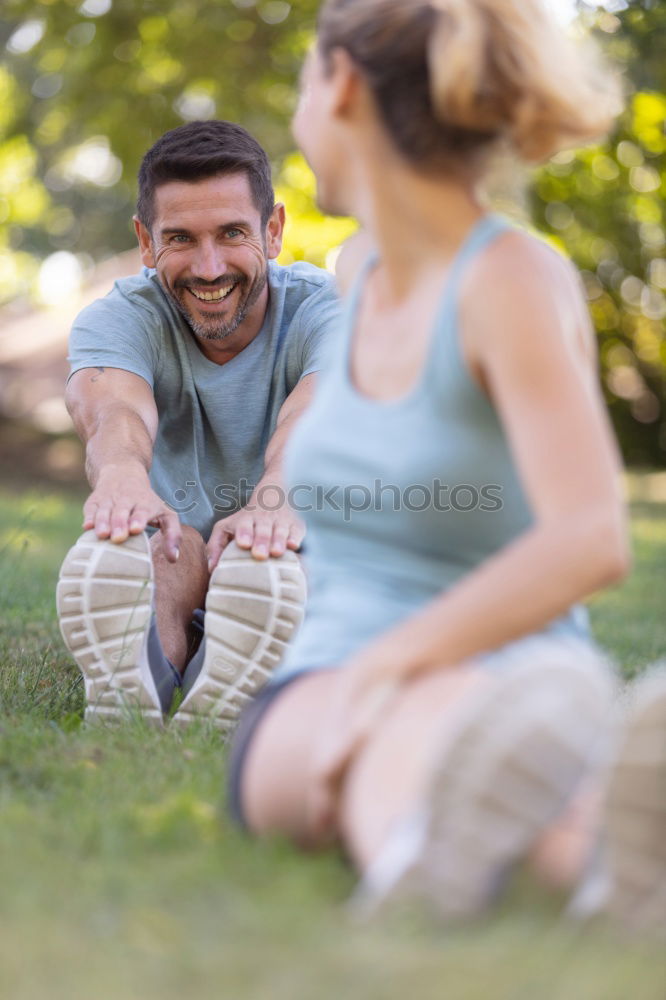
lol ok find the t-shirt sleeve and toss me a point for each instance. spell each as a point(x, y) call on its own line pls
point(116, 332)
point(319, 321)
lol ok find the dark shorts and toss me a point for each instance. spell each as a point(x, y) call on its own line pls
point(247, 727)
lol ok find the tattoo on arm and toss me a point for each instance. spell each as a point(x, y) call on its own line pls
point(95, 377)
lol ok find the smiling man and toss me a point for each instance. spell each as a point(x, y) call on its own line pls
point(185, 383)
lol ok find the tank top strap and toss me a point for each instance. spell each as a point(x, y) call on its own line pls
point(482, 233)
point(446, 364)
point(487, 229)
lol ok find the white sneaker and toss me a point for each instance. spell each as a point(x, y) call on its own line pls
point(253, 609)
point(518, 748)
point(636, 811)
point(104, 601)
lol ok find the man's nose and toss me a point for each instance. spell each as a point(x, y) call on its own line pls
point(209, 262)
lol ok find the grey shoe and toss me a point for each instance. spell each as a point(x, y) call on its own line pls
point(509, 765)
point(636, 811)
point(104, 600)
point(253, 609)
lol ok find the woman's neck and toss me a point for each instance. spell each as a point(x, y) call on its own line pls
point(415, 221)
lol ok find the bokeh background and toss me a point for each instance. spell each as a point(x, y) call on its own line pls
point(121, 877)
point(86, 87)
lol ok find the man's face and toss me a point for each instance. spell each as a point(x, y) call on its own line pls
point(211, 252)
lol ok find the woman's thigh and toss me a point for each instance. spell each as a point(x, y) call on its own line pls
point(276, 765)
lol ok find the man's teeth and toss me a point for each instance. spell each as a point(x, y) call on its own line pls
point(216, 296)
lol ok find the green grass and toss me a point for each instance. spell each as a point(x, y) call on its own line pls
point(121, 877)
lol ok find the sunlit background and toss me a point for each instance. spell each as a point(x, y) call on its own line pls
point(86, 88)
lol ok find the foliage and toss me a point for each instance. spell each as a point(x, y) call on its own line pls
point(87, 86)
point(605, 206)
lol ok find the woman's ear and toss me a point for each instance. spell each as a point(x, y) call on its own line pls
point(343, 80)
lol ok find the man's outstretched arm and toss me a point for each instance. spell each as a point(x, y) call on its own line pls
point(268, 532)
point(115, 416)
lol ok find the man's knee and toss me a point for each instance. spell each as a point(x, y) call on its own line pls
point(192, 544)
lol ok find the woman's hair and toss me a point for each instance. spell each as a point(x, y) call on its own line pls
point(454, 78)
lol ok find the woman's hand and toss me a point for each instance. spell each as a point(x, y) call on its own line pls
point(360, 699)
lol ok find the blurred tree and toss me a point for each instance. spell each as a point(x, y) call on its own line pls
point(88, 86)
point(605, 206)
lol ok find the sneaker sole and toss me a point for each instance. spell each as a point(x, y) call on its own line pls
point(512, 760)
point(253, 610)
point(636, 812)
point(104, 601)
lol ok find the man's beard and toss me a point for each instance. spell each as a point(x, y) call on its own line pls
point(216, 328)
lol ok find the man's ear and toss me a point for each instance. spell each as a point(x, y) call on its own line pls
point(274, 230)
point(145, 242)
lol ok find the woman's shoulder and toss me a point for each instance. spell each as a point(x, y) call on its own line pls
point(522, 275)
point(519, 253)
point(353, 256)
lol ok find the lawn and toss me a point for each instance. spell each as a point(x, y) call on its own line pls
point(120, 876)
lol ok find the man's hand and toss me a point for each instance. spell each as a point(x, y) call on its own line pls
point(123, 504)
point(115, 415)
point(266, 532)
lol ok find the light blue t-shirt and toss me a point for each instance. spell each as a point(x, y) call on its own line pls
point(403, 498)
point(215, 421)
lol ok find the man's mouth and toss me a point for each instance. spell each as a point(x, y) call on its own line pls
point(211, 295)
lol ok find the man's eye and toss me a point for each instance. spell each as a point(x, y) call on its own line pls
point(179, 238)
point(232, 234)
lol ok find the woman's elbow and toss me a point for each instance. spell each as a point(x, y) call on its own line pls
point(609, 549)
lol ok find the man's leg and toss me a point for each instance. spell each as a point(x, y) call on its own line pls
point(180, 588)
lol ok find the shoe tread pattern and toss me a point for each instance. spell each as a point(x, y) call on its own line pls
point(504, 772)
point(636, 812)
point(104, 601)
point(253, 610)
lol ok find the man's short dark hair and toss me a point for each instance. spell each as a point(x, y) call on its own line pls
point(199, 150)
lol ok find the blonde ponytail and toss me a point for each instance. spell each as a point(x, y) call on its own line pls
point(454, 78)
point(507, 65)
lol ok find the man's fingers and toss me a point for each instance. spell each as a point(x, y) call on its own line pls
point(89, 512)
point(169, 524)
point(263, 536)
point(296, 536)
point(140, 516)
point(280, 539)
point(218, 542)
point(244, 530)
point(119, 524)
point(102, 520)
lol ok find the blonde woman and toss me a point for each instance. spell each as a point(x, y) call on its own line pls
point(444, 709)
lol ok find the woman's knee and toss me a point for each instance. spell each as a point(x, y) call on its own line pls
point(274, 781)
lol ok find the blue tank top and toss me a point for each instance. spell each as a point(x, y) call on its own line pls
point(400, 498)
